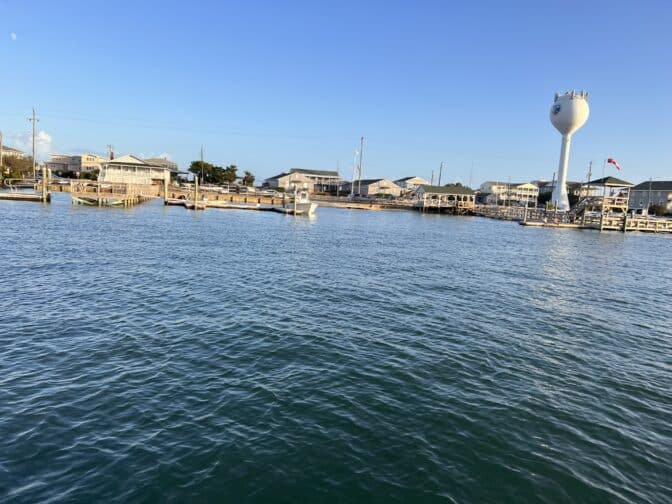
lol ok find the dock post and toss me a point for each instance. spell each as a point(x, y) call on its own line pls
point(44, 184)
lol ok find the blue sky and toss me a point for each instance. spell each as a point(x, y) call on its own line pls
point(274, 85)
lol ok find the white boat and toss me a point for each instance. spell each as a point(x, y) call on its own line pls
point(301, 204)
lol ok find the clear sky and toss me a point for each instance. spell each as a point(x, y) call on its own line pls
point(270, 85)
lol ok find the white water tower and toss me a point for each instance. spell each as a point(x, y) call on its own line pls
point(568, 113)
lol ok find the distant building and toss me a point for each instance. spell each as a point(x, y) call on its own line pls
point(576, 188)
point(78, 164)
point(494, 193)
point(411, 183)
point(654, 192)
point(313, 180)
point(12, 152)
point(130, 169)
point(373, 187)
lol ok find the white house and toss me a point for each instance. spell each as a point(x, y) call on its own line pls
point(315, 180)
point(12, 152)
point(130, 169)
point(507, 193)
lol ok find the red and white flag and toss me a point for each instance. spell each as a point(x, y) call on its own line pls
point(615, 163)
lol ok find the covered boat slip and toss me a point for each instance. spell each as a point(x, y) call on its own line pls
point(452, 198)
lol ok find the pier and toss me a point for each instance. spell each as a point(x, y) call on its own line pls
point(33, 190)
point(93, 193)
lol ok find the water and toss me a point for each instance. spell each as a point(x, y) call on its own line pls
point(155, 354)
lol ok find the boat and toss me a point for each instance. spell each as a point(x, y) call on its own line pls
point(301, 204)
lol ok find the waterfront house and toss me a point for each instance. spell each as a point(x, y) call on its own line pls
point(130, 169)
point(313, 180)
point(373, 188)
point(411, 183)
point(506, 193)
point(651, 192)
point(454, 198)
point(78, 164)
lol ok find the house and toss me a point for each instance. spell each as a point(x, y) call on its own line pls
point(60, 163)
point(652, 192)
point(454, 198)
point(497, 193)
point(411, 183)
point(12, 152)
point(130, 169)
point(313, 180)
point(372, 188)
point(576, 188)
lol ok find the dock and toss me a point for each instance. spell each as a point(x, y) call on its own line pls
point(105, 194)
point(227, 205)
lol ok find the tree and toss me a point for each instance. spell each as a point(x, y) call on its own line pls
point(248, 179)
point(230, 174)
point(17, 167)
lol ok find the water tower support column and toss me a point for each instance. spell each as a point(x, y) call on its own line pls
point(560, 198)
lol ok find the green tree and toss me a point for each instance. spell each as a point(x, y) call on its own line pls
point(248, 179)
point(230, 174)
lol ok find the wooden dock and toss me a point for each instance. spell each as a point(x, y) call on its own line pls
point(24, 196)
point(225, 205)
point(105, 194)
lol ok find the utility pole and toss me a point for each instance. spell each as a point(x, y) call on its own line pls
point(2, 171)
point(361, 155)
point(201, 164)
point(440, 172)
point(649, 204)
point(110, 151)
point(590, 174)
point(432, 181)
point(338, 179)
point(34, 120)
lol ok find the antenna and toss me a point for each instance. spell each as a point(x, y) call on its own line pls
point(110, 151)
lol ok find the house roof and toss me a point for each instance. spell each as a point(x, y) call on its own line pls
point(11, 149)
point(511, 184)
point(409, 178)
point(163, 162)
point(130, 159)
point(319, 173)
point(372, 181)
point(447, 189)
point(610, 182)
point(654, 185)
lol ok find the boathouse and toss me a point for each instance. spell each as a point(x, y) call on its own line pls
point(451, 198)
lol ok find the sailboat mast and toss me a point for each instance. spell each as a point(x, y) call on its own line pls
point(361, 155)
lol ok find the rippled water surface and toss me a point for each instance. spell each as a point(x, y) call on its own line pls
point(156, 354)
